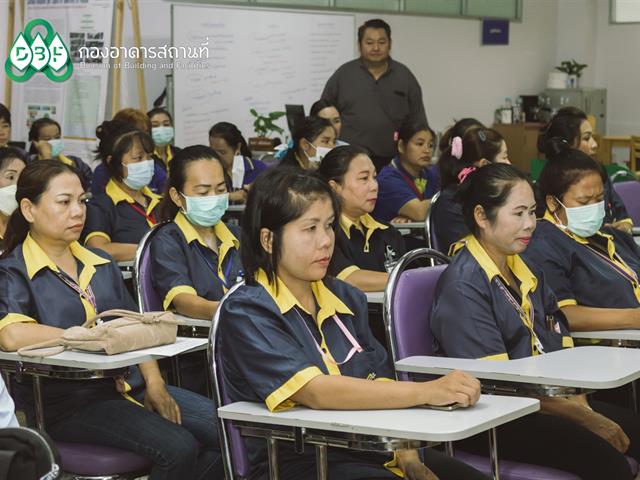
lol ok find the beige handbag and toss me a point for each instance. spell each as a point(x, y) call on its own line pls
point(129, 331)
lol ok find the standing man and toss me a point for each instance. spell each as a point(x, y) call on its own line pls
point(374, 94)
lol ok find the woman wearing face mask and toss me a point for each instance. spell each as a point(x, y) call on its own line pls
point(11, 165)
point(592, 269)
point(312, 140)
point(195, 257)
point(475, 148)
point(118, 219)
point(46, 144)
point(491, 305)
point(571, 125)
point(409, 181)
point(162, 134)
point(365, 249)
point(239, 168)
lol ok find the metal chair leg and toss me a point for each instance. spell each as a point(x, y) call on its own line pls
point(272, 452)
point(493, 452)
point(322, 465)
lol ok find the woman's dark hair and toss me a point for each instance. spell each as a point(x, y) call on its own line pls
point(178, 175)
point(458, 130)
point(320, 105)
point(477, 143)
point(116, 139)
point(409, 128)
point(278, 196)
point(565, 125)
point(32, 183)
point(488, 187)
point(158, 111)
point(5, 114)
point(34, 131)
point(335, 164)
point(565, 167)
point(310, 129)
point(8, 154)
point(374, 23)
point(232, 136)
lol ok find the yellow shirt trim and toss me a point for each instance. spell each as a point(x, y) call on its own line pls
point(566, 303)
point(346, 272)
point(10, 318)
point(158, 151)
point(567, 342)
point(497, 356)
point(327, 301)
point(222, 232)
point(174, 292)
point(279, 399)
point(96, 234)
point(66, 160)
point(117, 195)
point(365, 222)
point(528, 281)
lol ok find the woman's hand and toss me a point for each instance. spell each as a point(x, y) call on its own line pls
point(44, 149)
point(623, 225)
point(455, 387)
point(412, 467)
point(401, 219)
point(157, 399)
point(238, 196)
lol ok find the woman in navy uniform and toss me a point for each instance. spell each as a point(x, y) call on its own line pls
point(592, 269)
point(365, 249)
point(195, 258)
point(571, 125)
point(162, 133)
point(312, 140)
point(50, 282)
point(492, 305)
point(118, 218)
point(292, 336)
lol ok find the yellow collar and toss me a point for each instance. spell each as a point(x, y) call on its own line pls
point(117, 195)
point(327, 301)
point(365, 220)
point(36, 259)
point(527, 279)
point(190, 234)
point(65, 159)
point(611, 248)
point(158, 151)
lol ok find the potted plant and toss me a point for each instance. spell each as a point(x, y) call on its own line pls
point(264, 125)
point(573, 70)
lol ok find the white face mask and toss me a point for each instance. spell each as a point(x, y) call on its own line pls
point(584, 221)
point(321, 152)
point(237, 171)
point(8, 201)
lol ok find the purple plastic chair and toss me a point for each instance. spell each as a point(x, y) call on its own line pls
point(148, 299)
point(234, 453)
point(407, 316)
point(429, 231)
point(93, 461)
point(630, 194)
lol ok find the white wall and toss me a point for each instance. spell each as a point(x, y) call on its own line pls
point(459, 77)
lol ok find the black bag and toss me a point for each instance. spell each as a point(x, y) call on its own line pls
point(27, 454)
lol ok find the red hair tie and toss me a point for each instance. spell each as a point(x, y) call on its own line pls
point(464, 173)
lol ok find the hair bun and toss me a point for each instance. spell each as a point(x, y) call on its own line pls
point(555, 148)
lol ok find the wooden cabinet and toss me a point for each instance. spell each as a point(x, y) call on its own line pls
point(522, 142)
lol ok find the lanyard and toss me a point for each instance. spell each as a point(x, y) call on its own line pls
point(632, 277)
point(528, 322)
point(227, 269)
point(409, 181)
point(355, 346)
point(86, 294)
point(151, 219)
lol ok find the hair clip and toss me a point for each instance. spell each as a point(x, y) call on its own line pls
point(456, 147)
point(482, 135)
point(464, 173)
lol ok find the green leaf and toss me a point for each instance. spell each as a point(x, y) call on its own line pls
point(254, 113)
point(276, 115)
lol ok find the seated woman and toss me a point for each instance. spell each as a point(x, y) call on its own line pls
point(571, 125)
point(50, 283)
point(312, 140)
point(328, 111)
point(11, 165)
point(286, 335)
point(239, 168)
point(478, 147)
point(492, 305)
point(409, 181)
point(133, 120)
point(365, 249)
point(593, 270)
point(162, 134)
point(195, 259)
point(46, 143)
point(118, 219)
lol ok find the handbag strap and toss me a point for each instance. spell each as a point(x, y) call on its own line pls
point(147, 317)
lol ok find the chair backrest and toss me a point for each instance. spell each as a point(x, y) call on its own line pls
point(407, 305)
point(234, 452)
point(619, 173)
point(630, 194)
point(148, 298)
point(429, 230)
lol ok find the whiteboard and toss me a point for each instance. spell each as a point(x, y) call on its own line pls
point(258, 58)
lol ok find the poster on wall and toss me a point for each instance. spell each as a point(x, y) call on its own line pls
point(78, 103)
